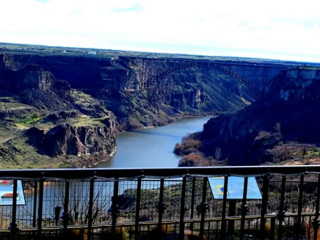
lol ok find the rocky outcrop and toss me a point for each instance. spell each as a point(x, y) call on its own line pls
point(58, 121)
point(289, 112)
point(83, 140)
point(37, 78)
point(74, 139)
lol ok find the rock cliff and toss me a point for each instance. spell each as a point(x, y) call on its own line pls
point(43, 116)
point(281, 126)
point(149, 90)
point(64, 101)
point(83, 140)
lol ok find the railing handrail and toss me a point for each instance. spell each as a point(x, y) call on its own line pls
point(73, 173)
point(67, 198)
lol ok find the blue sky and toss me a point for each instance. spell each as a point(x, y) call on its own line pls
point(279, 29)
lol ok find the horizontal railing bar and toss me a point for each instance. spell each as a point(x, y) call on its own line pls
point(156, 172)
point(146, 223)
point(167, 222)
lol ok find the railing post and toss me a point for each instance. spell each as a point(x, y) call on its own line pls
point(182, 208)
point(136, 230)
point(13, 223)
point(204, 207)
point(232, 212)
point(90, 211)
point(161, 207)
point(281, 212)
point(224, 207)
point(40, 208)
point(35, 198)
point(65, 215)
point(114, 202)
point(273, 228)
point(193, 194)
point(316, 218)
point(301, 189)
point(244, 208)
point(265, 196)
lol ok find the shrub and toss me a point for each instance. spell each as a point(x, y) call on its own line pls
point(121, 234)
point(187, 146)
point(263, 135)
point(193, 159)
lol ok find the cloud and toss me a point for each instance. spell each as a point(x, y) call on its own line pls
point(247, 27)
point(132, 8)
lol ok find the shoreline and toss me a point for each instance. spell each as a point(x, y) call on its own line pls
point(159, 137)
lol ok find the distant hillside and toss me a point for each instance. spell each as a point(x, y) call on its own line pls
point(281, 127)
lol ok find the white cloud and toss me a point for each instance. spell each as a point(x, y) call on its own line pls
point(250, 27)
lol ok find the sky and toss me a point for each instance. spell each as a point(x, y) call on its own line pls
point(276, 29)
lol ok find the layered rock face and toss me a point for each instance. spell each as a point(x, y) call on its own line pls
point(150, 91)
point(282, 125)
point(83, 140)
point(75, 102)
point(47, 114)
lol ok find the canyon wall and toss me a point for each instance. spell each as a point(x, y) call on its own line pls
point(280, 127)
point(77, 101)
point(152, 91)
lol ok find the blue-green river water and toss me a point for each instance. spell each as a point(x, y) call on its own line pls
point(153, 147)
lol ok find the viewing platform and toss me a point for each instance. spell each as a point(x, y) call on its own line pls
point(231, 202)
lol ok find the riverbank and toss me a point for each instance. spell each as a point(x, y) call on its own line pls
point(152, 147)
point(161, 143)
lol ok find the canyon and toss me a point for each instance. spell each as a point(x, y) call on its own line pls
point(62, 107)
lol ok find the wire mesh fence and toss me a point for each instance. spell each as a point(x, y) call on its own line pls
point(168, 207)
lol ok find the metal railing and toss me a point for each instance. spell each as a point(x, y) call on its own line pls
point(161, 204)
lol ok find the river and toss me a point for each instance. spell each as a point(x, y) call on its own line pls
point(153, 147)
point(147, 148)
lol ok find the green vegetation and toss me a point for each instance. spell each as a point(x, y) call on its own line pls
point(245, 101)
point(65, 165)
point(5, 135)
point(14, 106)
point(82, 98)
point(34, 118)
point(17, 153)
point(135, 123)
point(312, 153)
point(293, 152)
point(85, 120)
